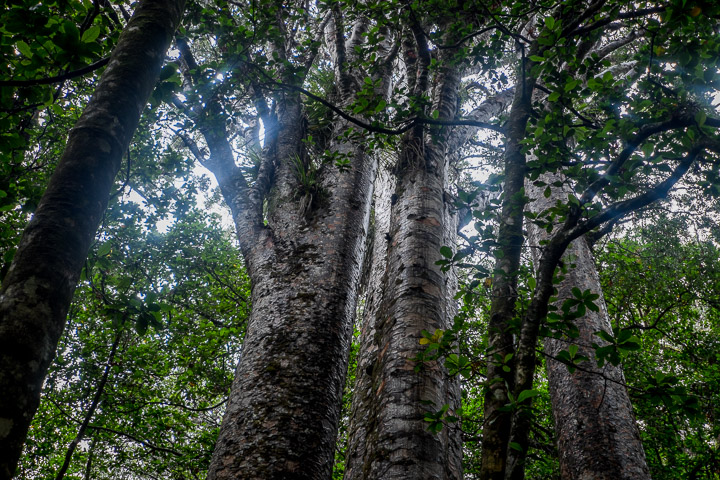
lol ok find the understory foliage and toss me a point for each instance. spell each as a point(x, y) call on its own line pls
point(662, 283)
point(161, 315)
point(619, 128)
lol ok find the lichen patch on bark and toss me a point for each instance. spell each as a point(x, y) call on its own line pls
point(5, 426)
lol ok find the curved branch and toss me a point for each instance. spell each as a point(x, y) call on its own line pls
point(91, 411)
point(623, 15)
point(645, 132)
point(144, 443)
point(58, 78)
point(410, 123)
point(618, 209)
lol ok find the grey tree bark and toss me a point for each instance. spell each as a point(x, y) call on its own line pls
point(363, 447)
point(303, 245)
point(38, 288)
point(363, 393)
point(597, 435)
point(389, 438)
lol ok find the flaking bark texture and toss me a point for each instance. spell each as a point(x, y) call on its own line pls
point(363, 392)
point(597, 436)
point(305, 266)
point(303, 239)
point(397, 441)
point(389, 410)
point(38, 288)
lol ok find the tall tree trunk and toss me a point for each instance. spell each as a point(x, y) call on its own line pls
point(39, 286)
point(397, 443)
point(595, 425)
point(362, 447)
point(363, 393)
point(497, 421)
point(284, 408)
point(304, 258)
point(389, 437)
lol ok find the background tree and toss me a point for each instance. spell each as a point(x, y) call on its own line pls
point(152, 405)
point(674, 318)
point(38, 288)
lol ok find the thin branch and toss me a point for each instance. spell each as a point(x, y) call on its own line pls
point(58, 78)
point(593, 372)
point(397, 131)
point(318, 38)
point(467, 37)
point(612, 46)
point(504, 29)
point(178, 405)
point(589, 12)
point(90, 16)
point(586, 121)
point(619, 209)
point(645, 132)
point(144, 443)
point(91, 411)
point(622, 15)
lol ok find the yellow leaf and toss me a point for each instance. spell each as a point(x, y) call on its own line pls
point(424, 341)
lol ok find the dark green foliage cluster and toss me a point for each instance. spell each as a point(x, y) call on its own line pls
point(662, 284)
point(176, 303)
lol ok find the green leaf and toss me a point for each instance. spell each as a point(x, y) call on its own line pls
point(554, 97)
point(700, 118)
point(24, 48)
point(516, 446)
point(537, 59)
point(104, 249)
point(91, 34)
point(591, 305)
point(167, 71)
point(605, 336)
point(571, 84)
point(141, 325)
point(648, 148)
point(525, 394)
point(446, 252)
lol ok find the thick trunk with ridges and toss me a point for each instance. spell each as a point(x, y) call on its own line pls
point(597, 436)
point(389, 410)
point(399, 444)
point(305, 266)
point(38, 288)
point(363, 393)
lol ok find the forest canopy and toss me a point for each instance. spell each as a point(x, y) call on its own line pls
point(360, 239)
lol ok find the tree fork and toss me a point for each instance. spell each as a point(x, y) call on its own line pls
point(305, 266)
point(389, 437)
